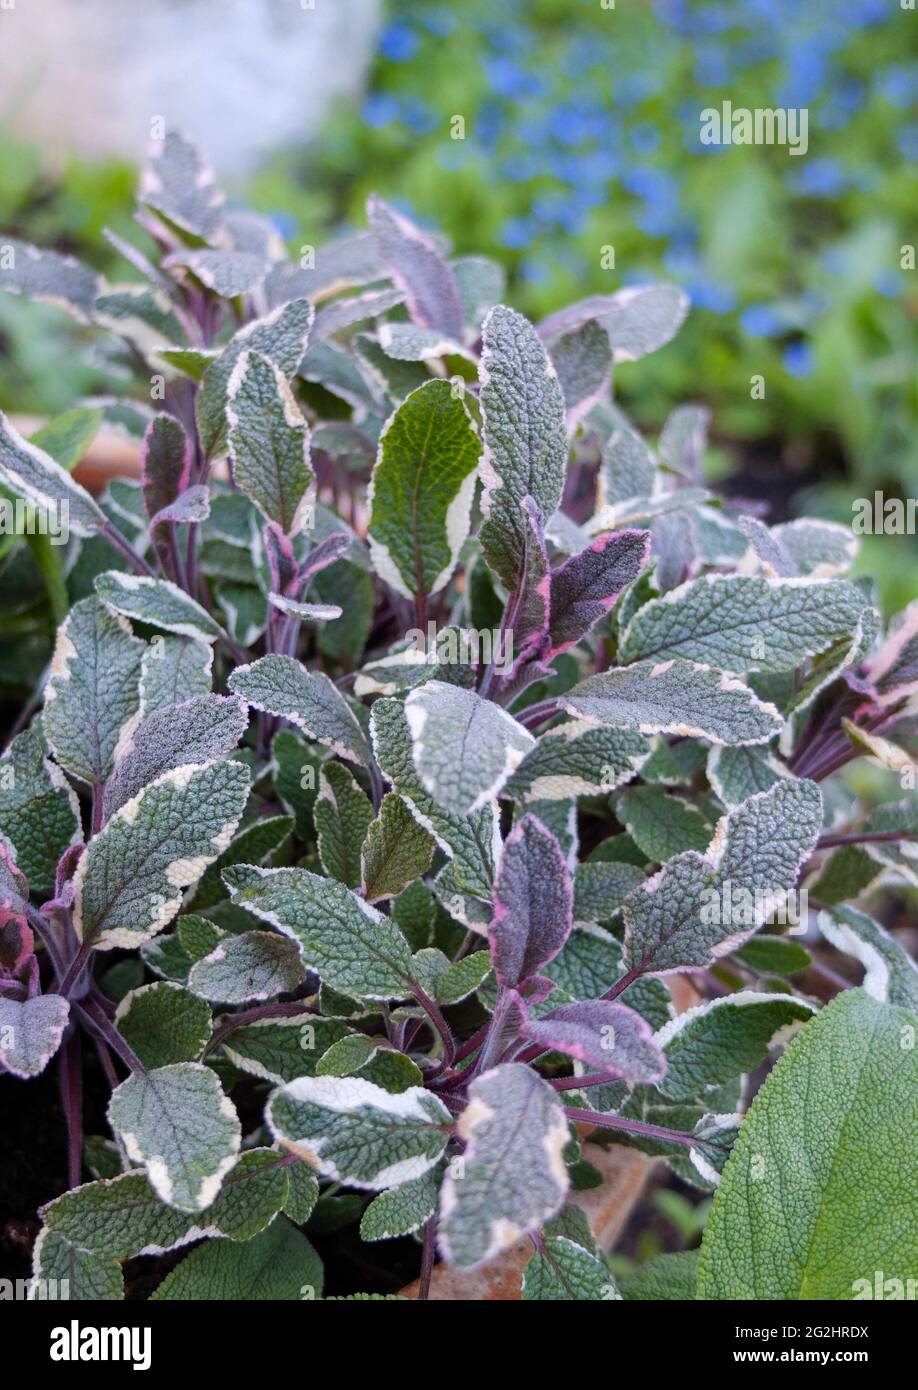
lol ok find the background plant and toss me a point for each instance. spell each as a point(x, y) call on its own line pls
point(394, 924)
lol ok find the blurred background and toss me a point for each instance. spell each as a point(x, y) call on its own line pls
point(580, 121)
point(579, 126)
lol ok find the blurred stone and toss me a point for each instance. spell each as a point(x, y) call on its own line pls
point(242, 77)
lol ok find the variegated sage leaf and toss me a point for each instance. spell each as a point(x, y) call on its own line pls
point(660, 824)
point(396, 850)
point(49, 277)
point(177, 1122)
point(354, 948)
point(281, 336)
point(464, 747)
point(280, 685)
point(742, 623)
point(675, 697)
point(39, 812)
point(418, 268)
point(709, 1045)
point(699, 907)
point(890, 972)
point(31, 1032)
point(200, 730)
point(342, 813)
point(130, 882)
point(471, 841)
point(174, 669)
point(583, 361)
point(533, 903)
point(123, 1217)
point(268, 441)
point(421, 490)
point(524, 434)
point(512, 1176)
point(30, 472)
point(563, 1272)
point(401, 1210)
point(164, 1023)
point(276, 1265)
point(736, 774)
point(179, 185)
point(579, 758)
point(354, 1132)
point(586, 587)
point(604, 1036)
point(247, 968)
point(92, 693)
point(87, 1277)
point(158, 602)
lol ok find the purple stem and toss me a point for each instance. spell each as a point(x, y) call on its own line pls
point(124, 547)
point(864, 837)
point(71, 1082)
point(593, 1117)
point(428, 1256)
point(438, 1021)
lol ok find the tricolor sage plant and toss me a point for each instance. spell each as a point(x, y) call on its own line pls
point(413, 726)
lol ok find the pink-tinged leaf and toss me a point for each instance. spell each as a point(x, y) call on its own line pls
point(14, 889)
point(326, 553)
point(17, 943)
point(529, 608)
point(587, 585)
point(281, 559)
point(417, 267)
point(894, 671)
point(533, 903)
point(191, 505)
point(604, 1036)
point(165, 463)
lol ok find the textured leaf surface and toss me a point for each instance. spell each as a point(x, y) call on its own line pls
point(177, 1122)
point(418, 268)
point(533, 902)
point(401, 1210)
point(31, 472)
point(579, 758)
point(815, 1197)
point(278, 1264)
point(355, 1132)
point(281, 336)
point(585, 588)
point(342, 813)
point(201, 730)
point(396, 851)
point(178, 183)
point(741, 623)
point(664, 1278)
point(281, 1049)
point(38, 811)
point(123, 1216)
point(252, 966)
point(604, 1036)
point(523, 426)
point(92, 690)
point(464, 747)
point(130, 882)
point(698, 907)
point(31, 1032)
point(49, 277)
point(563, 1272)
point(348, 943)
point(268, 440)
point(675, 697)
point(421, 490)
point(469, 840)
point(710, 1044)
point(513, 1176)
point(90, 1278)
point(736, 774)
point(600, 889)
point(891, 975)
point(163, 1024)
point(661, 825)
point(158, 602)
point(174, 669)
point(281, 686)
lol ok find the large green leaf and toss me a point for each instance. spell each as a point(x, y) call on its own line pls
point(816, 1199)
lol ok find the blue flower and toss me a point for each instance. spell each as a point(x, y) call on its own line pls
point(645, 137)
point(819, 178)
point(380, 109)
point(899, 84)
point(761, 321)
point(887, 283)
point(517, 233)
point(907, 142)
point(798, 359)
point(706, 294)
point(398, 43)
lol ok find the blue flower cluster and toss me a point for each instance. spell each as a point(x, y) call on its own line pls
point(582, 108)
